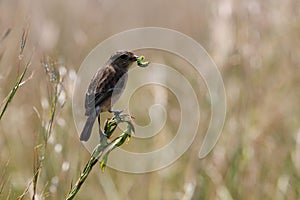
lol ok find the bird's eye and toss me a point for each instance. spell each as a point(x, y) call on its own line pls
point(123, 56)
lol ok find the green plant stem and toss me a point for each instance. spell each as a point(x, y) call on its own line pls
point(14, 90)
point(86, 171)
point(103, 149)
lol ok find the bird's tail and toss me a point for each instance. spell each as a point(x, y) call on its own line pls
point(87, 129)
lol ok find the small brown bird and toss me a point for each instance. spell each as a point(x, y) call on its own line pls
point(105, 89)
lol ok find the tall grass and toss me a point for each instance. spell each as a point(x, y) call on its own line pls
point(255, 45)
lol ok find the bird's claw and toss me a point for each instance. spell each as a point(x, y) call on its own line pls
point(116, 112)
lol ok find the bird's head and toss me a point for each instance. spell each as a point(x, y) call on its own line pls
point(122, 59)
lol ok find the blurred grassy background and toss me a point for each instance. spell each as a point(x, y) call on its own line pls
point(254, 43)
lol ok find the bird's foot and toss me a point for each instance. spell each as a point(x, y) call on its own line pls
point(116, 112)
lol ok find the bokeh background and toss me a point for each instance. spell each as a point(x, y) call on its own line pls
point(255, 45)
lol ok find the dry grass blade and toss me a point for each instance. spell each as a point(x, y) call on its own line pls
point(36, 169)
point(6, 33)
point(4, 36)
point(25, 192)
point(54, 78)
point(23, 41)
point(27, 188)
point(3, 178)
point(8, 196)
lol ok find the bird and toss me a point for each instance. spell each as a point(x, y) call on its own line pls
point(105, 89)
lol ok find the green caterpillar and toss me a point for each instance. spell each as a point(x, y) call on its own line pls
point(141, 63)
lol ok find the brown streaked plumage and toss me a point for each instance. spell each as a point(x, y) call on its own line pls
point(105, 88)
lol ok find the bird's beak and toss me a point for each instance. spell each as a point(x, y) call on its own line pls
point(135, 57)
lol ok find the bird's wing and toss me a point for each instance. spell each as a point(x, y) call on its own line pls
point(112, 91)
point(96, 87)
point(119, 88)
